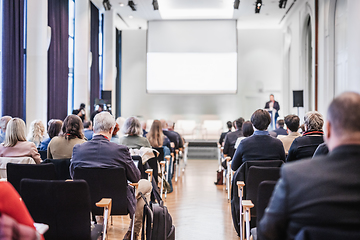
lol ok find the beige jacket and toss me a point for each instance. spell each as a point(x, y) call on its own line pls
point(288, 140)
point(60, 148)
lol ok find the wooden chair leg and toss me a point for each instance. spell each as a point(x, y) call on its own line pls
point(106, 204)
point(247, 204)
point(135, 185)
point(240, 185)
point(150, 174)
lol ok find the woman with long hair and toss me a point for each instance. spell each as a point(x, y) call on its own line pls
point(156, 137)
point(61, 147)
point(36, 133)
point(15, 144)
point(53, 131)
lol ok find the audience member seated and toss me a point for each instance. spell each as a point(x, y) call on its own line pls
point(114, 137)
point(133, 134)
point(248, 130)
point(53, 131)
point(259, 146)
point(156, 137)
point(173, 137)
point(120, 121)
point(171, 127)
point(223, 135)
point(143, 126)
point(15, 144)
point(322, 192)
point(280, 128)
point(292, 122)
point(3, 123)
point(88, 130)
point(112, 155)
point(230, 139)
point(99, 109)
point(305, 146)
point(321, 150)
point(36, 132)
point(61, 147)
point(12, 206)
point(80, 112)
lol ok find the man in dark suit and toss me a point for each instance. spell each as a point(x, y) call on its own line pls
point(305, 146)
point(101, 153)
point(223, 135)
point(322, 192)
point(98, 110)
point(259, 146)
point(272, 104)
point(280, 129)
point(173, 137)
point(230, 138)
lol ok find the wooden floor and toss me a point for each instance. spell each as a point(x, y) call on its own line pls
point(199, 208)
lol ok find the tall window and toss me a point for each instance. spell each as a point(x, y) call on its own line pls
point(71, 55)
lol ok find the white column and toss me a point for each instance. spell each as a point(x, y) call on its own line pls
point(109, 67)
point(36, 61)
point(82, 55)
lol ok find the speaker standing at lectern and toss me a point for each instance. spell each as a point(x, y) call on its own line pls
point(273, 106)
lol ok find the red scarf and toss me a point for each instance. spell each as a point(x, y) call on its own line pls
point(313, 132)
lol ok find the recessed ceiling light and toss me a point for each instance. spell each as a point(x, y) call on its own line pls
point(131, 16)
point(121, 4)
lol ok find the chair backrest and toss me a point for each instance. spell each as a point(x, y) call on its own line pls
point(105, 183)
point(161, 156)
point(43, 154)
point(16, 172)
point(255, 176)
point(318, 233)
point(64, 206)
point(265, 191)
point(140, 166)
point(61, 167)
point(5, 160)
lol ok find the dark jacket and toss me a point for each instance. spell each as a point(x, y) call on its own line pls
point(280, 131)
point(276, 106)
point(259, 146)
point(319, 192)
point(305, 146)
point(101, 153)
point(230, 140)
point(173, 137)
point(222, 137)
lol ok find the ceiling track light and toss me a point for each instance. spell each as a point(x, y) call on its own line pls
point(236, 4)
point(258, 5)
point(282, 3)
point(107, 5)
point(132, 5)
point(155, 5)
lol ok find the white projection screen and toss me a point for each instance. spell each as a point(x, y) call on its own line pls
point(192, 57)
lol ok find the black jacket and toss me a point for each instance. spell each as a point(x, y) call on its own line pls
point(304, 146)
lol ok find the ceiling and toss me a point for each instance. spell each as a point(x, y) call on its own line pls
point(269, 17)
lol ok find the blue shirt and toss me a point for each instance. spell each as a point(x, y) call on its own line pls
point(44, 144)
point(88, 134)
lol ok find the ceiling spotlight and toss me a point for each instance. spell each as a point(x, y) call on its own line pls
point(121, 4)
point(282, 3)
point(131, 16)
point(258, 5)
point(132, 5)
point(107, 5)
point(236, 4)
point(155, 4)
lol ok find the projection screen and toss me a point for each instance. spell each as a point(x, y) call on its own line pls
point(192, 57)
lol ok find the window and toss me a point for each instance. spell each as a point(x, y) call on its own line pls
point(71, 56)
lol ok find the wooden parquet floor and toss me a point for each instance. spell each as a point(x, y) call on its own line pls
point(199, 209)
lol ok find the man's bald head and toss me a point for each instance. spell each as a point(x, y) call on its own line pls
point(344, 113)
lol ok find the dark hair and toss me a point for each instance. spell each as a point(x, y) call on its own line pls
point(239, 122)
point(261, 119)
point(280, 122)
point(247, 129)
point(344, 113)
point(229, 124)
point(292, 122)
point(87, 124)
point(72, 127)
point(54, 128)
point(82, 106)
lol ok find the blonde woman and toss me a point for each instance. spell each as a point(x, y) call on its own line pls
point(61, 147)
point(36, 133)
point(15, 144)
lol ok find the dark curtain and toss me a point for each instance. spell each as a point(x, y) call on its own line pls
point(58, 70)
point(13, 59)
point(94, 48)
point(118, 73)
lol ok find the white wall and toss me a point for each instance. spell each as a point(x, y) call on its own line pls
point(259, 74)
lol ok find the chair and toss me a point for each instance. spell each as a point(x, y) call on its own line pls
point(43, 154)
point(265, 191)
point(61, 167)
point(107, 183)
point(5, 160)
point(319, 233)
point(63, 205)
point(16, 172)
